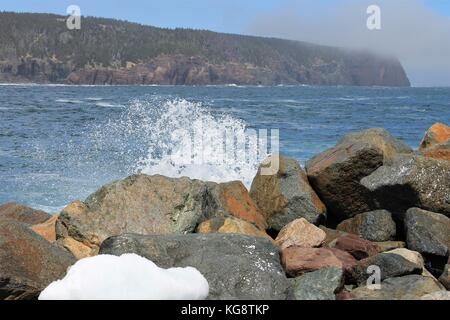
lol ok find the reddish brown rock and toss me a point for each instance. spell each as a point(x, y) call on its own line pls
point(22, 214)
point(233, 199)
point(297, 261)
point(47, 229)
point(335, 174)
point(231, 225)
point(28, 263)
point(348, 261)
point(285, 195)
point(300, 233)
point(356, 246)
point(436, 142)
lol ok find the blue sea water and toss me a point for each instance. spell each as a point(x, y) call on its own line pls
point(61, 143)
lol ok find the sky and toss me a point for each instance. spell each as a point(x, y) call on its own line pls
point(415, 31)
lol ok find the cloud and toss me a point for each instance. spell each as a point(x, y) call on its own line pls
point(128, 277)
point(417, 35)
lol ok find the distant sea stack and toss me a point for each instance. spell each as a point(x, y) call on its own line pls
point(39, 48)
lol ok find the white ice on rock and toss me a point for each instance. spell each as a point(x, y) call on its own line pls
point(128, 277)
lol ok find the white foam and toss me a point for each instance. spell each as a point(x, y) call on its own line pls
point(128, 277)
point(108, 105)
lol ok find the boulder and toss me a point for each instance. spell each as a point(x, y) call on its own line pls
point(436, 142)
point(390, 265)
point(375, 225)
point(300, 233)
point(335, 174)
point(322, 284)
point(232, 199)
point(286, 196)
point(231, 225)
point(411, 181)
point(22, 214)
point(47, 229)
point(28, 263)
point(297, 261)
point(154, 205)
point(381, 138)
point(427, 232)
point(356, 246)
point(408, 287)
point(415, 257)
point(236, 266)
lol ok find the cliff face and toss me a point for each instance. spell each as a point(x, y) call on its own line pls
point(39, 48)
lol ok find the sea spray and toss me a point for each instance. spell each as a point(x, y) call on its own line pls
point(176, 137)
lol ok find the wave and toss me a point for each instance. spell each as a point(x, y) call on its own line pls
point(153, 135)
point(108, 105)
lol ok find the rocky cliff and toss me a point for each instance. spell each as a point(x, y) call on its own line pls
point(39, 48)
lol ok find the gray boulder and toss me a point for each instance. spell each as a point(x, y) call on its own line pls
point(390, 264)
point(236, 266)
point(375, 225)
point(427, 232)
point(411, 181)
point(322, 284)
point(286, 195)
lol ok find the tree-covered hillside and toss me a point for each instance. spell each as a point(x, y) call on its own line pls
point(40, 48)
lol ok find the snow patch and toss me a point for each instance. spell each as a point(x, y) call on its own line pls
point(128, 277)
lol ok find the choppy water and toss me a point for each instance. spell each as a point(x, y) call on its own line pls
point(60, 143)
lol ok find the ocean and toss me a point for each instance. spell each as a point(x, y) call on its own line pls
point(61, 143)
